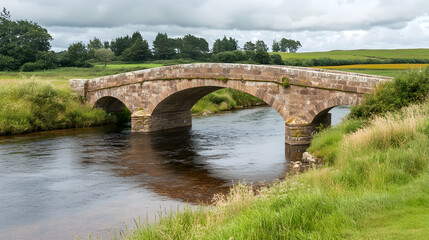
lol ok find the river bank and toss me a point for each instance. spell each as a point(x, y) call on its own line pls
point(374, 184)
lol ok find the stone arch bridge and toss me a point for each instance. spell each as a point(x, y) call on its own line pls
point(161, 98)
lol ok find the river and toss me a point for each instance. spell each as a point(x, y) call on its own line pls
point(68, 183)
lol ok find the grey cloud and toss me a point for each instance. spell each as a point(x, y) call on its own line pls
point(319, 25)
point(276, 15)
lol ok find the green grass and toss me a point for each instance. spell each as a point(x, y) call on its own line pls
point(361, 54)
point(375, 185)
point(380, 72)
point(38, 106)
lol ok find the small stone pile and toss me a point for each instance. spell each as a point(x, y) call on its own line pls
point(307, 161)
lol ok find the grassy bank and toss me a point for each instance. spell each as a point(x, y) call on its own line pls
point(37, 106)
point(374, 185)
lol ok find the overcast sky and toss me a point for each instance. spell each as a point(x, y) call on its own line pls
point(319, 25)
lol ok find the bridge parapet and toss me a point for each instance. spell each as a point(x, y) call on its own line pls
point(301, 76)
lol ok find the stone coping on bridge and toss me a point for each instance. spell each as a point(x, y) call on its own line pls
point(301, 76)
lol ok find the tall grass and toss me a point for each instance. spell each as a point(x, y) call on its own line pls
point(36, 106)
point(375, 187)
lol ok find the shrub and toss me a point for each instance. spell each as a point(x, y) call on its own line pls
point(8, 63)
point(408, 88)
point(285, 82)
point(276, 59)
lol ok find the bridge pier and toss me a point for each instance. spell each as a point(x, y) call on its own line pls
point(301, 133)
point(143, 123)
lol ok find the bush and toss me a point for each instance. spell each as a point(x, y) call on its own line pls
point(408, 88)
point(229, 56)
point(31, 67)
point(261, 57)
point(276, 59)
point(8, 63)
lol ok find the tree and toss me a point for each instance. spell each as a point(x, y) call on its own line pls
point(177, 45)
point(284, 45)
point(223, 45)
point(289, 45)
point(260, 45)
point(119, 45)
point(21, 40)
point(163, 47)
point(93, 45)
point(276, 46)
point(295, 45)
point(104, 55)
point(77, 55)
point(106, 44)
point(139, 51)
point(193, 47)
point(5, 14)
point(249, 46)
point(137, 36)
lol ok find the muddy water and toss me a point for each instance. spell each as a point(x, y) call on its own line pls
point(60, 184)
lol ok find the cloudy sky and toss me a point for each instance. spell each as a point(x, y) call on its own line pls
point(319, 25)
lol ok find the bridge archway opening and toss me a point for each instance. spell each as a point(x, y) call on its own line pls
point(187, 100)
point(174, 110)
point(110, 104)
point(331, 116)
point(116, 107)
point(183, 101)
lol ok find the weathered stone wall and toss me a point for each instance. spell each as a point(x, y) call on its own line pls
point(161, 98)
point(161, 122)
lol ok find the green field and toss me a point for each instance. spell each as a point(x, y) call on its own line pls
point(361, 54)
point(380, 72)
point(60, 77)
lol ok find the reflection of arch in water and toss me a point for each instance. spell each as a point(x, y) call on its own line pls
point(165, 162)
point(168, 164)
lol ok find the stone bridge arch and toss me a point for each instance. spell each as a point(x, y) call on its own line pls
point(161, 98)
point(110, 104)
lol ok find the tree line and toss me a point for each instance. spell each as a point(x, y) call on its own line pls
point(25, 46)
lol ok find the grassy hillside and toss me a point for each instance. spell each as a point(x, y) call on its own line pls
point(361, 54)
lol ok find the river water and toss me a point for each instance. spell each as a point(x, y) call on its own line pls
point(68, 183)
